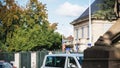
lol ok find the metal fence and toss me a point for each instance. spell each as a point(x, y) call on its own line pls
point(25, 58)
point(7, 56)
point(40, 58)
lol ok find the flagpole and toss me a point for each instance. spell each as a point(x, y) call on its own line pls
point(90, 40)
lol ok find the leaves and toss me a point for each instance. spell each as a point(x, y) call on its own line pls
point(106, 10)
point(26, 29)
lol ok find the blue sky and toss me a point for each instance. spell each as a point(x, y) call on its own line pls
point(63, 12)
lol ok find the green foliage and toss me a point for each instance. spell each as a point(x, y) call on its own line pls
point(106, 11)
point(26, 29)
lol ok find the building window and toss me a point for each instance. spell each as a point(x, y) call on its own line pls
point(85, 32)
point(82, 32)
point(88, 32)
point(76, 34)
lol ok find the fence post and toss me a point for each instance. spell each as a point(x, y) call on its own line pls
point(17, 60)
point(33, 60)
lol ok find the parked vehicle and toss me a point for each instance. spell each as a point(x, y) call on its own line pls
point(5, 65)
point(62, 61)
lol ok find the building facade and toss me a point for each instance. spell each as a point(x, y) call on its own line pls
point(82, 27)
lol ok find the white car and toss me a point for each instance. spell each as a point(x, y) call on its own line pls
point(62, 61)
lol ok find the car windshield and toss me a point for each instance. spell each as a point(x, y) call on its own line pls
point(55, 61)
point(80, 60)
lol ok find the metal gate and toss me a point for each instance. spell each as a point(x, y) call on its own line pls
point(40, 57)
point(6, 56)
point(25, 60)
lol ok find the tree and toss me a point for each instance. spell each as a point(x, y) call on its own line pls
point(106, 11)
point(29, 28)
point(8, 20)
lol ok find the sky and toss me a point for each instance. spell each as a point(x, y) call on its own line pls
point(63, 12)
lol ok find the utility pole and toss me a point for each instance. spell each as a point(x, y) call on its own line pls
point(90, 31)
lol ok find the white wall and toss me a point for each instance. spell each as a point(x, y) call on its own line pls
point(98, 28)
point(82, 36)
point(79, 27)
point(33, 60)
point(17, 61)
